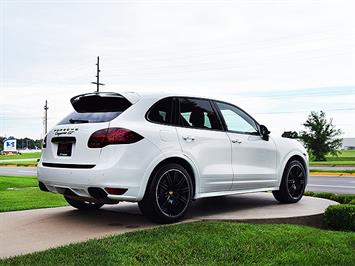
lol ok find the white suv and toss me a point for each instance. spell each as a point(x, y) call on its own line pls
point(163, 151)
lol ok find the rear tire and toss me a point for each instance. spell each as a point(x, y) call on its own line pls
point(83, 205)
point(293, 183)
point(168, 194)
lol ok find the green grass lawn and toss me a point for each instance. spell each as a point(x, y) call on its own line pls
point(344, 158)
point(22, 193)
point(206, 243)
point(34, 155)
point(19, 163)
point(332, 171)
point(332, 163)
point(21, 156)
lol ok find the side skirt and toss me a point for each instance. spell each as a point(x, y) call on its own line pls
point(234, 192)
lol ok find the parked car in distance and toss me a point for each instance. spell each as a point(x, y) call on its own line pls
point(163, 151)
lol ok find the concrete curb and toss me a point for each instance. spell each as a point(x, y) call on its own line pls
point(331, 174)
point(311, 220)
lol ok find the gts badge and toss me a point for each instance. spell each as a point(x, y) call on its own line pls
point(64, 131)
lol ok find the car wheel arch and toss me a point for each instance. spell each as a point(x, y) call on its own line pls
point(181, 161)
point(293, 156)
point(298, 158)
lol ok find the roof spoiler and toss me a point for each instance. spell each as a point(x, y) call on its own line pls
point(100, 102)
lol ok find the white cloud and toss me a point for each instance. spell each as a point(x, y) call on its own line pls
point(219, 48)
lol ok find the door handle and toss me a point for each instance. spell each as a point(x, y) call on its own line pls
point(236, 141)
point(188, 138)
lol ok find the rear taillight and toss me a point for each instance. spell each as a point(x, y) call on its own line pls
point(114, 135)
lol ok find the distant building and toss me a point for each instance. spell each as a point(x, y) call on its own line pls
point(348, 144)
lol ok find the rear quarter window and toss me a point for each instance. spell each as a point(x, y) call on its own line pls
point(162, 112)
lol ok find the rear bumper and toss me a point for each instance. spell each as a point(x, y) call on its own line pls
point(78, 181)
point(126, 167)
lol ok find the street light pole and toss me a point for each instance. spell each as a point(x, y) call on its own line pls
point(98, 84)
point(45, 117)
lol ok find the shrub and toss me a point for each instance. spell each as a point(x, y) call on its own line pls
point(340, 217)
point(352, 202)
point(309, 193)
point(324, 195)
point(343, 198)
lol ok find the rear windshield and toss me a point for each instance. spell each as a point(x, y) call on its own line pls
point(96, 108)
point(80, 118)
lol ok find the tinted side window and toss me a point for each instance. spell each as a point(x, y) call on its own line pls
point(161, 112)
point(236, 120)
point(197, 113)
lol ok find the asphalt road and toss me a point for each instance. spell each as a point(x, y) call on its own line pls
point(18, 171)
point(333, 184)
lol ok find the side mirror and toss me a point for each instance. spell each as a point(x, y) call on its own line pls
point(264, 132)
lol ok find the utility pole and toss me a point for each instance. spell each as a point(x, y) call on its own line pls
point(45, 117)
point(98, 84)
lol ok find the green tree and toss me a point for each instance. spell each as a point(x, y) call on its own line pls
point(28, 143)
point(24, 143)
point(1, 143)
point(320, 136)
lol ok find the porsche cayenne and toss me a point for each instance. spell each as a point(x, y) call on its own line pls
point(164, 151)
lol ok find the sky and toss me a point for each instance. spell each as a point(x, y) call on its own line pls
point(278, 60)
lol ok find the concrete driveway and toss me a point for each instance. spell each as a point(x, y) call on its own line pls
point(34, 230)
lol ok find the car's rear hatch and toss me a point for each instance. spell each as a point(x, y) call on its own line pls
point(67, 143)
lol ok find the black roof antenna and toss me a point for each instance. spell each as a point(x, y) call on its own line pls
point(98, 84)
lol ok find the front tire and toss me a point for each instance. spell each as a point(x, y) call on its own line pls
point(168, 194)
point(83, 205)
point(293, 183)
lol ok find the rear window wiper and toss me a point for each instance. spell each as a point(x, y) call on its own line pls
point(75, 121)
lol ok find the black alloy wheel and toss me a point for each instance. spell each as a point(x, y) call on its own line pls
point(296, 181)
point(173, 192)
point(293, 183)
point(168, 194)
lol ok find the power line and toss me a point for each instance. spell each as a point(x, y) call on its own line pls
point(305, 111)
point(281, 112)
point(20, 118)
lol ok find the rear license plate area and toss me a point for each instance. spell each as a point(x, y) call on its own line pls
point(64, 149)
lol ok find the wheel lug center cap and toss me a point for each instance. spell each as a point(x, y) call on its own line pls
point(171, 193)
